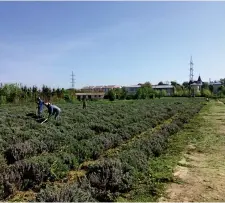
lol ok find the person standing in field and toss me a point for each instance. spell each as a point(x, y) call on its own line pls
point(53, 110)
point(84, 103)
point(40, 106)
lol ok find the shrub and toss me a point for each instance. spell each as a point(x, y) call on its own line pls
point(68, 193)
point(108, 179)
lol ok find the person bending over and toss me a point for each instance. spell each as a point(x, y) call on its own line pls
point(53, 110)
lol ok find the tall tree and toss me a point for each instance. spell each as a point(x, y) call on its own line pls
point(179, 90)
point(222, 80)
point(185, 84)
point(211, 88)
point(205, 85)
point(173, 83)
point(123, 93)
point(111, 95)
point(147, 84)
point(145, 92)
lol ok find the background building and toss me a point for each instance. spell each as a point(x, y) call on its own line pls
point(132, 89)
point(170, 89)
point(101, 88)
point(90, 95)
point(216, 85)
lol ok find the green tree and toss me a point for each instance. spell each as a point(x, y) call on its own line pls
point(145, 92)
point(163, 93)
point(123, 93)
point(118, 92)
point(206, 93)
point(146, 84)
point(111, 95)
point(59, 93)
point(186, 92)
point(69, 95)
point(205, 85)
point(179, 91)
point(141, 93)
point(11, 92)
point(46, 92)
point(211, 88)
point(24, 95)
point(221, 91)
point(35, 92)
point(222, 81)
point(185, 84)
point(158, 94)
point(173, 83)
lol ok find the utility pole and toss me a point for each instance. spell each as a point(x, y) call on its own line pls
point(191, 70)
point(73, 80)
point(191, 80)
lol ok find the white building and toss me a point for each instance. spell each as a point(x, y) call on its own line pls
point(132, 89)
point(100, 88)
point(216, 85)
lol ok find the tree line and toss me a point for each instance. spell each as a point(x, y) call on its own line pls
point(17, 93)
point(180, 90)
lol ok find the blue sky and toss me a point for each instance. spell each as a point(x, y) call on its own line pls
point(107, 43)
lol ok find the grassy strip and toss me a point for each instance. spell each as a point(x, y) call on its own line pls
point(160, 172)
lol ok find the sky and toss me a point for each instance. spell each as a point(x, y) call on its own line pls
point(110, 43)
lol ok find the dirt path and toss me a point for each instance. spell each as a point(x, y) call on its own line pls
point(201, 172)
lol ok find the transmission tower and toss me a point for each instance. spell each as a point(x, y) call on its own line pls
point(73, 80)
point(191, 70)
